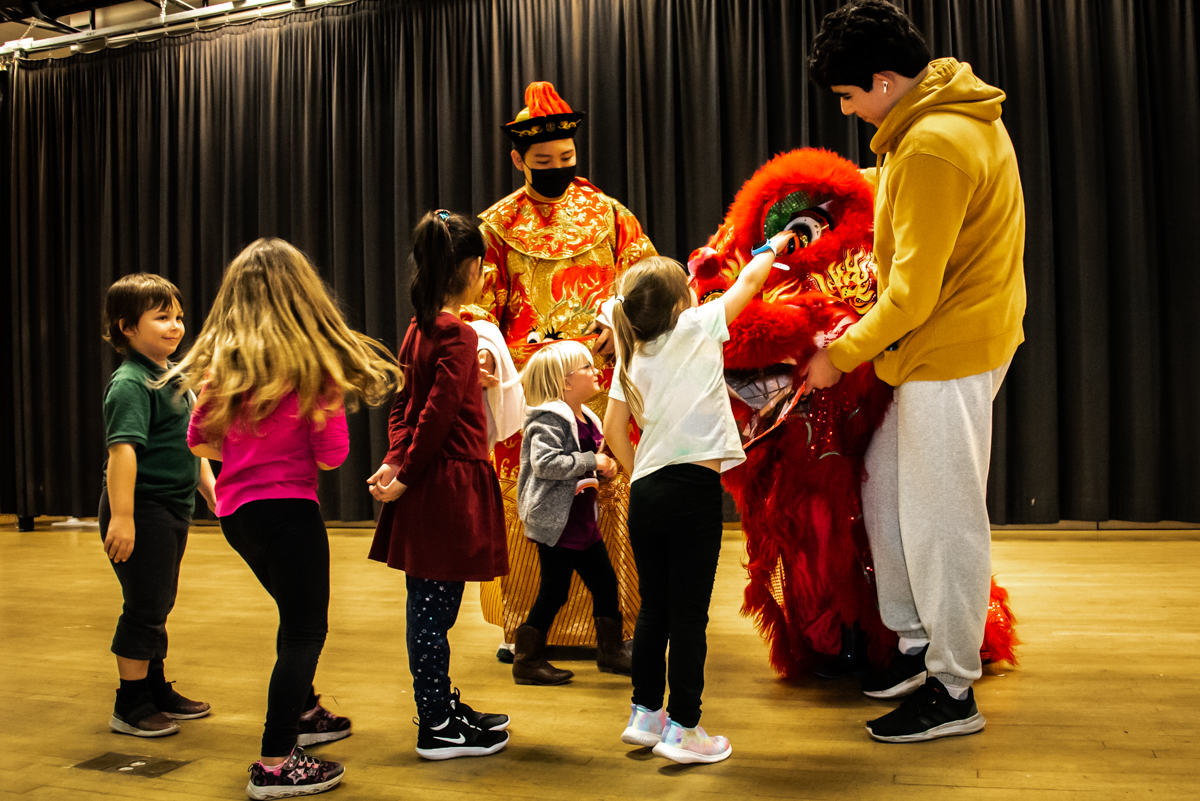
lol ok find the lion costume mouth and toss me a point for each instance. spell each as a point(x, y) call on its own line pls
point(769, 395)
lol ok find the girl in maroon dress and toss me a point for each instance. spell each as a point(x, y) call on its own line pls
point(443, 518)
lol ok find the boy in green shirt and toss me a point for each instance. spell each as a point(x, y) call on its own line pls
point(150, 483)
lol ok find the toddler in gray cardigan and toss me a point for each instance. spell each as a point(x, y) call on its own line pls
point(557, 503)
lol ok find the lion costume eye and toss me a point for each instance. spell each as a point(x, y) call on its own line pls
point(801, 213)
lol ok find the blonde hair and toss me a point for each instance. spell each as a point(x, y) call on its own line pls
point(547, 370)
point(651, 296)
point(274, 329)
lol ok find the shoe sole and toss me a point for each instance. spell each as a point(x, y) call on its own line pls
point(632, 736)
point(906, 687)
point(121, 727)
point(454, 753)
point(322, 737)
point(685, 757)
point(192, 716)
point(281, 791)
point(532, 683)
point(970, 725)
point(614, 670)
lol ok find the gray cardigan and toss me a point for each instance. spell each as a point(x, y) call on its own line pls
point(551, 465)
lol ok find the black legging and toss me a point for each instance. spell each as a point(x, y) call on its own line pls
point(675, 531)
point(557, 564)
point(285, 544)
point(432, 609)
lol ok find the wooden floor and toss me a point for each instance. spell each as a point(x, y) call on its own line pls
point(1104, 705)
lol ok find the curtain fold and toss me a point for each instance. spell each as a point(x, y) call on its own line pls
point(338, 128)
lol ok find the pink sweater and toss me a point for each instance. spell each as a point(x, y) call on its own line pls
point(278, 460)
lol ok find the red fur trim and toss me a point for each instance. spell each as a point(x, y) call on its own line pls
point(768, 333)
point(999, 635)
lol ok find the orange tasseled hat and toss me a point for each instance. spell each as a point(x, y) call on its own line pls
point(546, 117)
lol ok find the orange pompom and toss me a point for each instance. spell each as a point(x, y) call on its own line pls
point(542, 100)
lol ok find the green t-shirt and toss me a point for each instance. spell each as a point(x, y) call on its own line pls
point(155, 422)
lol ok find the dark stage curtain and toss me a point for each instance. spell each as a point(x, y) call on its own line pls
point(336, 129)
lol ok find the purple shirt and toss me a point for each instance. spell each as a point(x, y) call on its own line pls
point(582, 531)
point(278, 459)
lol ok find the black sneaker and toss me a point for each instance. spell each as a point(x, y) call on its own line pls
point(141, 718)
point(928, 714)
point(487, 721)
point(457, 738)
point(300, 774)
point(902, 676)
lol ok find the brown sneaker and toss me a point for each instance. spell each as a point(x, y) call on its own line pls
point(319, 725)
point(141, 719)
point(176, 706)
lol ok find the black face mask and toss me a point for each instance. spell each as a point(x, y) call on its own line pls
point(551, 183)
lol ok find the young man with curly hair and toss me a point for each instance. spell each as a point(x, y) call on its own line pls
point(949, 242)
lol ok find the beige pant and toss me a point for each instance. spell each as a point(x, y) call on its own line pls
point(924, 503)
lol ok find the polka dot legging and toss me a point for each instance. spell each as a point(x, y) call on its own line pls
point(432, 610)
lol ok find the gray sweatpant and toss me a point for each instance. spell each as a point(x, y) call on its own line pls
point(924, 504)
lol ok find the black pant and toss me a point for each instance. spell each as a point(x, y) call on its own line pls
point(675, 531)
point(432, 609)
point(285, 544)
point(557, 564)
point(149, 578)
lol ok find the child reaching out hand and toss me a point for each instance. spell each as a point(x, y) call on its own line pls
point(670, 374)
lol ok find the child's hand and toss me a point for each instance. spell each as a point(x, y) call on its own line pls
point(383, 485)
point(784, 243)
point(606, 466)
point(487, 369)
point(604, 344)
point(118, 541)
point(389, 492)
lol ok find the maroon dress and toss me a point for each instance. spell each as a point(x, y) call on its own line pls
point(449, 523)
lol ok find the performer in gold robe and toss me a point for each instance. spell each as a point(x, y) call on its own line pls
point(554, 250)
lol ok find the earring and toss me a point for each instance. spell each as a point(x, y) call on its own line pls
point(885, 87)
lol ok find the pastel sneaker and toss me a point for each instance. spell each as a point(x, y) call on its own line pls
point(691, 745)
point(645, 726)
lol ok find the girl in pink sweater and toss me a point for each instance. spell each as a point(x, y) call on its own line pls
point(274, 368)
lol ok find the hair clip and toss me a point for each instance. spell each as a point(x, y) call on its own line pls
point(620, 298)
point(445, 215)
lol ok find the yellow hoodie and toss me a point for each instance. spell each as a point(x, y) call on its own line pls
point(949, 236)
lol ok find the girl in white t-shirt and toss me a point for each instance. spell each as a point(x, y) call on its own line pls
point(670, 376)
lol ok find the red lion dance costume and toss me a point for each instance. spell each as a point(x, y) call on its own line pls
point(810, 570)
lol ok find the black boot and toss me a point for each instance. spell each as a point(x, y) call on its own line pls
point(852, 661)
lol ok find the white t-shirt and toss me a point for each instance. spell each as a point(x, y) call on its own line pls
point(681, 377)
